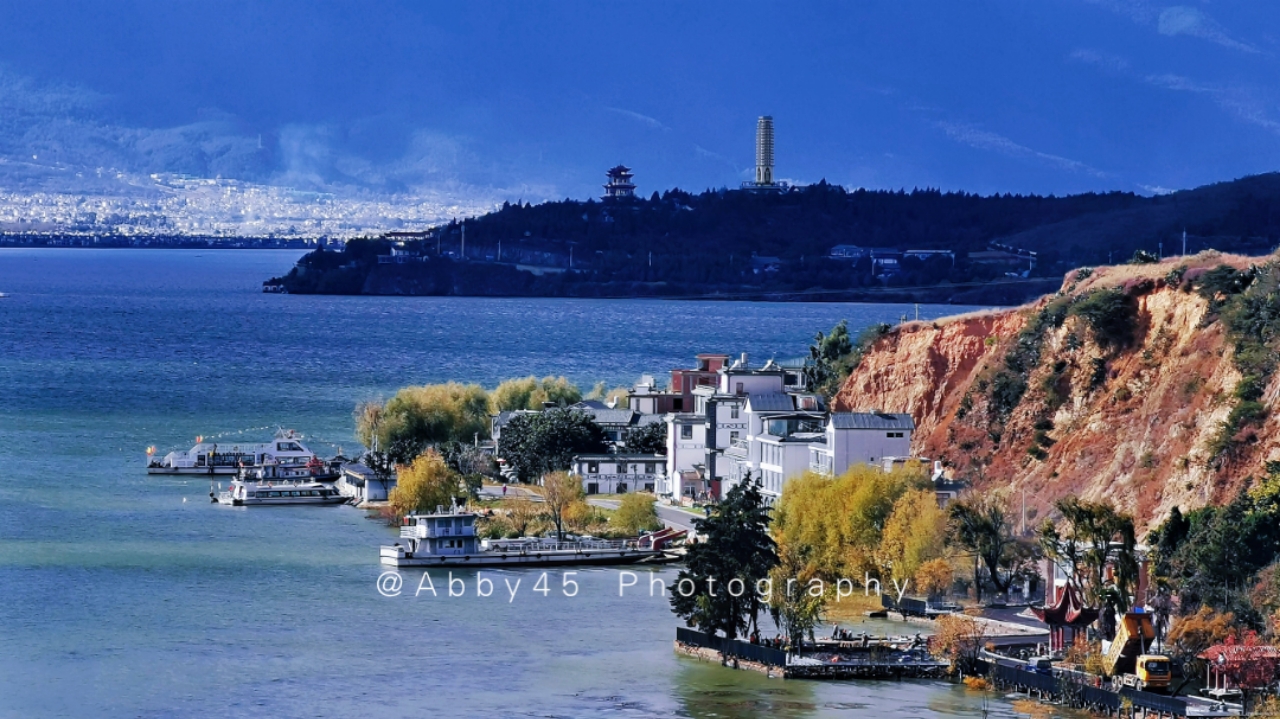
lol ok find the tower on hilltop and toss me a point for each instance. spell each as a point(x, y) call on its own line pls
point(619, 185)
point(764, 157)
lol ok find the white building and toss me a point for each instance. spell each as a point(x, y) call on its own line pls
point(618, 473)
point(697, 440)
point(781, 427)
point(861, 438)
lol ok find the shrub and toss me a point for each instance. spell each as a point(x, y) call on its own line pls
point(1006, 392)
point(1111, 314)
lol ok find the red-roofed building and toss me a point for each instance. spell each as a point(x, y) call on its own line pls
point(1236, 667)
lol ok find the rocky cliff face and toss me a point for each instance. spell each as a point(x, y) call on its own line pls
point(1039, 401)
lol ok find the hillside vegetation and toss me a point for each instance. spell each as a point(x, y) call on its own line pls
point(1153, 386)
point(752, 244)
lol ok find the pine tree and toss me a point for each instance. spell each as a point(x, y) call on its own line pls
point(735, 556)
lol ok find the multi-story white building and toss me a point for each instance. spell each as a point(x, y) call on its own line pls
point(618, 473)
point(861, 438)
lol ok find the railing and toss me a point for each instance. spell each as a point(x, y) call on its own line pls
point(425, 531)
point(1019, 677)
point(732, 647)
point(518, 547)
point(1155, 702)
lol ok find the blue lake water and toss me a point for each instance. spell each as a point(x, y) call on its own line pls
point(128, 596)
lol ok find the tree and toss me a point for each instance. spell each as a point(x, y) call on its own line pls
point(647, 439)
point(534, 444)
point(1192, 635)
point(798, 597)
point(617, 397)
point(934, 578)
point(914, 533)
point(532, 393)
point(636, 514)
point(737, 549)
point(472, 463)
point(425, 484)
point(980, 525)
point(836, 525)
point(825, 353)
point(559, 491)
point(960, 639)
point(1092, 537)
point(417, 418)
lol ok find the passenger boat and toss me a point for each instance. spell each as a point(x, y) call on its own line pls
point(448, 539)
point(285, 455)
point(251, 492)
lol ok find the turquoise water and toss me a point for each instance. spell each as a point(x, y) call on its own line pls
point(128, 596)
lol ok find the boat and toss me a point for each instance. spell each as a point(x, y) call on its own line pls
point(285, 455)
point(248, 492)
point(447, 538)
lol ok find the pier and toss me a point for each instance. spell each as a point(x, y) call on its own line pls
point(870, 658)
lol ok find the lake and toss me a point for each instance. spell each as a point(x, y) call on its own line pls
point(124, 595)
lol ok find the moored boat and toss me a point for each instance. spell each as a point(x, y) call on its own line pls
point(285, 455)
point(448, 539)
point(252, 492)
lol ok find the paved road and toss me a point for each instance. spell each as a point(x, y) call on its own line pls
point(670, 516)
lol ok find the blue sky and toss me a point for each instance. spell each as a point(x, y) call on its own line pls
point(535, 100)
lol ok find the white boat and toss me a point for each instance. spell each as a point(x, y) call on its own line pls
point(448, 539)
point(286, 455)
point(251, 492)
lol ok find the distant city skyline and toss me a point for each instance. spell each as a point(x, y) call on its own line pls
point(404, 113)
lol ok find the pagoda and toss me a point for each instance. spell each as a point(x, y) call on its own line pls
point(1066, 617)
point(619, 185)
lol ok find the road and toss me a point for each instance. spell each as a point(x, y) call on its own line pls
point(670, 516)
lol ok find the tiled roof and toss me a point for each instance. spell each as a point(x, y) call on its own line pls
point(872, 420)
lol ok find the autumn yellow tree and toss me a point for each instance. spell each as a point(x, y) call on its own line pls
point(417, 418)
point(1192, 635)
point(934, 577)
point(835, 526)
point(560, 490)
point(914, 533)
point(425, 484)
point(532, 393)
point(635, 514)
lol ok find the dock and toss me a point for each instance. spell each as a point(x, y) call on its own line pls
point(877, 658)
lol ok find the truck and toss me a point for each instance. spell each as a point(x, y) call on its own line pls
point(1127, 662)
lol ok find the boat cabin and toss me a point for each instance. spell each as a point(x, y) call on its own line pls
point(441, 533)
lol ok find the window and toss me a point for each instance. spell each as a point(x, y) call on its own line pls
point(593, 488)
point(677, 405)
point(739, 389)
point(733, 436)
point(593, 467)
point(648, 467)
point(733, 411)
point(686, 431)
point(622, 468)
point(622, 487)
point(648, 487)
point(893, 434)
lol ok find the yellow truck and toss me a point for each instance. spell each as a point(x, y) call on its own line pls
point(1127, 661)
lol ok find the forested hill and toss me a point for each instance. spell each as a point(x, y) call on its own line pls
point(741, 243)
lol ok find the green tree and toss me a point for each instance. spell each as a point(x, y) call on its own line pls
point(636, 514)
point(534, 444)
point(1091, 537)
point(737, 547)
point(425, 484)
point(980, 525)
point(798, 598)
point(646, 439)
